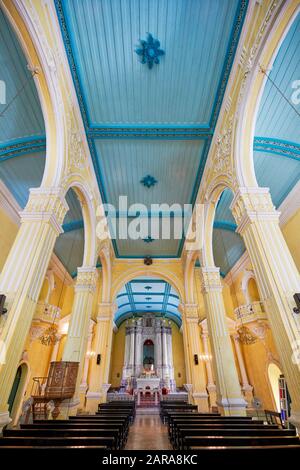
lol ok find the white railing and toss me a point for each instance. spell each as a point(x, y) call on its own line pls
point(250, 312)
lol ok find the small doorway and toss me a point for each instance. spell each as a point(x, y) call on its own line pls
point(14, 390)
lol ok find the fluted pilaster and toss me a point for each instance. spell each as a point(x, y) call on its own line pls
point(99, 372)
point(192, 344)
point(229, 397)
point(23, 274)
point(277, 277)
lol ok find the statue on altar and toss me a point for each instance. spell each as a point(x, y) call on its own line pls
point(148, 353)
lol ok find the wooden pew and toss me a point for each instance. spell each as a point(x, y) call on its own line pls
point(183, 432)
point(234, 441)
point(122, 431)
point(186, 408)
point(108, 442)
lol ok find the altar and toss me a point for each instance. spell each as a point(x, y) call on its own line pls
point(148, 358)
point(148, 383)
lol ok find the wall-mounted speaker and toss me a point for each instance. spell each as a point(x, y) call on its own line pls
point(98, 359)
point(2, 301)
point(196, 361)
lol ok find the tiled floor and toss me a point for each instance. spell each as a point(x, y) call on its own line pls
point(148, 432)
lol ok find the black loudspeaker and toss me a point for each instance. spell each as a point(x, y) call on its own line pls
point(98, 359)
point(2, 301)
point(297, 302)
point(196, 359)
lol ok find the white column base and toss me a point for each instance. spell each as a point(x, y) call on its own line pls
point(248, 393)
point(295, 420)
point(212, 392)
point(92, 401)
point(68, 408)
point(4, 419)
point(201, 400)
point(232, 406)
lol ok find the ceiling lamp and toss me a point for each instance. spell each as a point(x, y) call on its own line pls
point(148, 261)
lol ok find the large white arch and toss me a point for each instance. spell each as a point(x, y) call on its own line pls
point(274, 34)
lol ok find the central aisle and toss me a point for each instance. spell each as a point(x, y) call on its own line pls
point(148, 433)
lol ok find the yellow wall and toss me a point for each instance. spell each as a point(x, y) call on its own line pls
point(117, 356)
point(8, 234)
point(291, 233)
point(178, 356)
point(253, 291)
point(118, 350)
point(257, 357)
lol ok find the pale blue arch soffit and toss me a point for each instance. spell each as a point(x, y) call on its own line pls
point(147, 295)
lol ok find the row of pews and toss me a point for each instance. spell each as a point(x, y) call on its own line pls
point(108, 429)
point(190, 430)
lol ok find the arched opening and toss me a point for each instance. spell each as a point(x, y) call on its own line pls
point(148, 337)
point(17, 391)
point(228, 246)
point(273, 375)
point(276, 140)
point(253, 294)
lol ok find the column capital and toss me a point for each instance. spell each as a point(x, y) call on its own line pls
point(46, 204)
point(106, 311)
point(189, 311)
point(252, 204)
point(86, 279)
point(210, 279)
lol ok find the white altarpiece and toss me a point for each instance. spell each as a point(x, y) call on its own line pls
point(148, 358)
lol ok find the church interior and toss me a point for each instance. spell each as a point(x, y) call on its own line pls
point(150, 224)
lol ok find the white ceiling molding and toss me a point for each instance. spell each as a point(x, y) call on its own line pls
point(12, 209)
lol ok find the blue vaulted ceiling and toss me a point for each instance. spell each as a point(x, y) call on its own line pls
point(147, 295)
point(156, 122)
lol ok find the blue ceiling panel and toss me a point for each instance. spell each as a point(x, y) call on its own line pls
point(22, 115)
point(161, 119)
point(69, 248)
point(278, 173)
point(142, 295)
point(172, 163)
point(228, 247)
point(118, 89)
point(22, 173)
point(278, 115)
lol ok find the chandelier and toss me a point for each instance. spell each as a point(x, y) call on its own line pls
point(49, 336)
